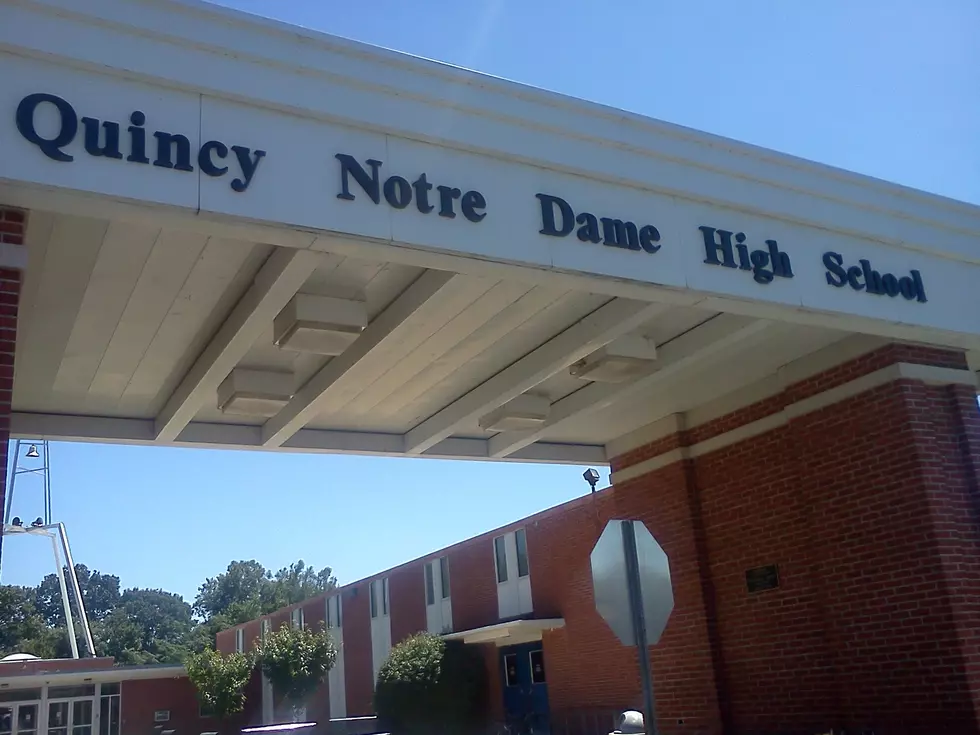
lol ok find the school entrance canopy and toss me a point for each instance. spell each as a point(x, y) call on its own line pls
point(244, 234)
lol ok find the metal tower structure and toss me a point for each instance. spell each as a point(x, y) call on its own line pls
point(44, 526)
point(40, 468)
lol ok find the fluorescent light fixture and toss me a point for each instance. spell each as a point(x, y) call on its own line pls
point(625, 359)
point(527, 411)
point(322, 325)
point(248, 392)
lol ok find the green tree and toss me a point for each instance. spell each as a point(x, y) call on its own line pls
point(296, 661)
point(220, 680)
point(100, 593)
point(432, 686)
point(247, 590)
point(147, 627)
point(21, 620)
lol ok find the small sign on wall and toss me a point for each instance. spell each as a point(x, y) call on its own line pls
point(761, 579)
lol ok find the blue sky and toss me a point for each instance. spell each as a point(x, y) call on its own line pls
point(892, 94)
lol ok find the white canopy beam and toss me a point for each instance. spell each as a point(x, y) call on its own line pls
point(309, 400)
point(612, 320)
point(282, 275)
point(681, 353)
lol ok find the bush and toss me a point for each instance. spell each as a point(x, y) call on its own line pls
point(431, 686)
point(220, 680)
point(296, 661)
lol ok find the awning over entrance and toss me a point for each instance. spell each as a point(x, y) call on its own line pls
point(294, 252)
point(509, 633)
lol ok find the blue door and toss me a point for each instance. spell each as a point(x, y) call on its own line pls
point(525, 686)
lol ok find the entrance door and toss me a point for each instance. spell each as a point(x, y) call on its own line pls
point(525, 687)
point(19, 718)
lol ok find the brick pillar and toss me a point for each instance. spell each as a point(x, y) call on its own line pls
point(13, 224)
point(861, 485)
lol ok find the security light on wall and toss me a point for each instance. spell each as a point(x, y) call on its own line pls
point(625, 359)
point(528, 411)
point(247, 392)
point(322, 325)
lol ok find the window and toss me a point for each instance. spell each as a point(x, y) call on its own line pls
point(71, 691)
point(334, 612)
point(264, 628)
point(298, 619)
point(109, 709)
point(430, 590)
point(444, 573)
point(521, 538)
point(537, 667)
point(379, 597)
point(81, 717)
point(500, 556)
point(239, 640)
point(510, 670)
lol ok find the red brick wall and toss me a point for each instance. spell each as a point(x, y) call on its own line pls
point(140, 699)
point(13, 224)
point(358, 668)
point(473, 584)
point(406, 592)
point(870, 509)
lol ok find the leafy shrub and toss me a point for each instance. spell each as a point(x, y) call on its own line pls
point(296, 660)
point(429, 685)
point(220, 680)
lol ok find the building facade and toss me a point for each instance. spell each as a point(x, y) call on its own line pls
point(96, 697)
point(850, 492)
point(221, 231)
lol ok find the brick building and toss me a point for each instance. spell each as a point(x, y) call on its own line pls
point(96, 697)
point(856, 481)
point(221, 231)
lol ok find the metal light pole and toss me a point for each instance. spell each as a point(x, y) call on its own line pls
point(44, 526)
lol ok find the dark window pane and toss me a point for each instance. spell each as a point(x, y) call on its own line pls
point(6, 720)
point(510, 670)
point(374, 601)
point(384, 599)
point(444, 572)
point(500, 552)
point(112, 688)
point(20, 695)
point(57, 715)
point(537, 667)
point(75, 691)
point(82, 714)
point(521, 538)
point(430, 592)
point(27, 718)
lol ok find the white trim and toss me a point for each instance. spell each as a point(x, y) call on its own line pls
point(95, 676)
point(928, 374)
point(508, 633)
point(310, 441)
point(254, 59)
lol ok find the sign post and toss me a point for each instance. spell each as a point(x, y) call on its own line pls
point(633, 594)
